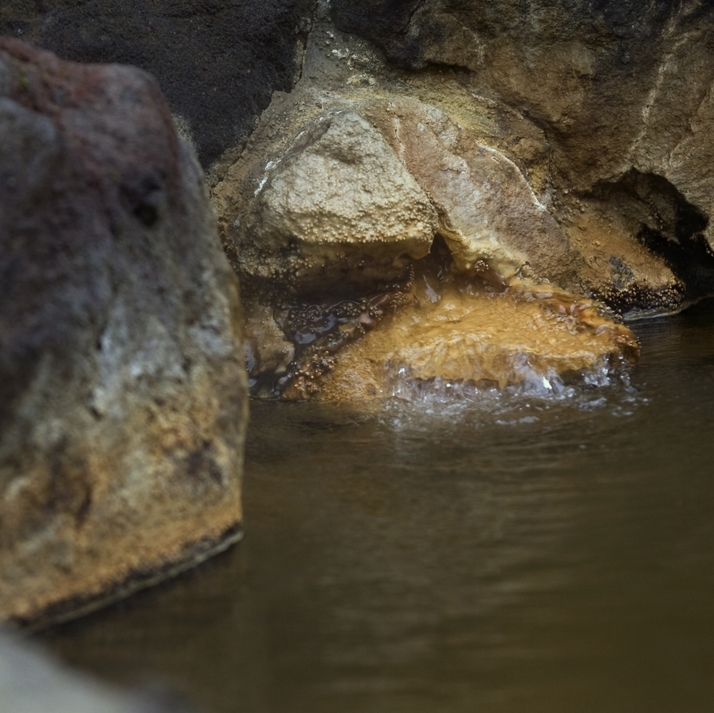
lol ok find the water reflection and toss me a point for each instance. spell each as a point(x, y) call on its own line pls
point(553, 556)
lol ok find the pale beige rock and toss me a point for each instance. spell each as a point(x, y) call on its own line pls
point(340, 203)
point(487, 209)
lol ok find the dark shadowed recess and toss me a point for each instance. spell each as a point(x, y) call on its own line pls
point(385, 22)
point(669, 225)
point(218, 61)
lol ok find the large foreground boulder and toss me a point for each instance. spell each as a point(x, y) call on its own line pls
point(122, 386)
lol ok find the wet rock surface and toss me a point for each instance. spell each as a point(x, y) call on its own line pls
point(471, 338)
point(218, 63)
point(315, 218)
point(615, 87)
point(488, 210)
point(122, 385)
point(561, 147)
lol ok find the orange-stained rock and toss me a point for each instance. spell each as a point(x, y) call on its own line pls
point(525, 336)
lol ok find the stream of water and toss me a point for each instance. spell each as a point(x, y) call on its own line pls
point(534, 556)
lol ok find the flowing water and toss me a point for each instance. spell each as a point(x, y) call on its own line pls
point(527, 555)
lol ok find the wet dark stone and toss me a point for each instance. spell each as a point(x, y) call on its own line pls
point(388, 23)
point(218, 62)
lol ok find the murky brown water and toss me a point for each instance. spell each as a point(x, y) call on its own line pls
point(554, 558)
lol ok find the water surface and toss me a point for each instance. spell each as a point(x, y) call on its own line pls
point(553, 557)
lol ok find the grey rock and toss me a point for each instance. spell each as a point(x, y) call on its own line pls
point(122, 385)
point(339, 206)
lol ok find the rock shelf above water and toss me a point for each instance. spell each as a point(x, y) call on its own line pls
point(122, 387)
point(525, 339)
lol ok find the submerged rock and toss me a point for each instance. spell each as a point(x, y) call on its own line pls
point(122, 384)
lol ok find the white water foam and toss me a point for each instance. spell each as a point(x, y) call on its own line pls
point(606, 386)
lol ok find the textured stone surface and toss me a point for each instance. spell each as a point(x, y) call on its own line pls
point(490, 341)
point(122, 385)
point(499, 182)
point(268, 351)
point(614, 86)
point(457, 333)
point(338, 206)
point(485, 169)
point(487, 209)
point(217, 61)
point(617, 268)
point(567, 142)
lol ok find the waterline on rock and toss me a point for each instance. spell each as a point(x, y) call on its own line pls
point(540, 395)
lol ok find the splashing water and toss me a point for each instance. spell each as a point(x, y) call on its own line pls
point(605, 386)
